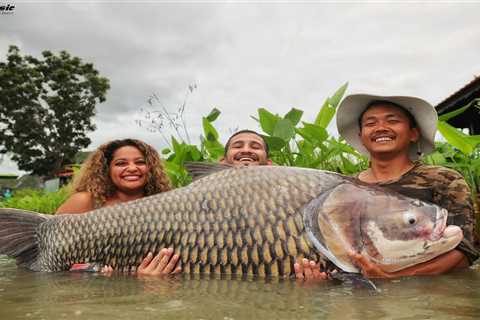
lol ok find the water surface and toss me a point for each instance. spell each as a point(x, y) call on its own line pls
point(29, 295)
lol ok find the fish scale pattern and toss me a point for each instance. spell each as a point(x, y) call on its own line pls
point(237, 221)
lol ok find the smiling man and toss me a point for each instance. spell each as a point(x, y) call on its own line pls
point(246, 148)
point(394, 131)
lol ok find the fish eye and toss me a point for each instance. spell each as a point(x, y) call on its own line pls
point(410, 218)
point(417, 203)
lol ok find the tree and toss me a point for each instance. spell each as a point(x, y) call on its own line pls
point(46, 106)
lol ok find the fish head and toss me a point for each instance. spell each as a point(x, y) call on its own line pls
point(398, 232)
point(393, 231)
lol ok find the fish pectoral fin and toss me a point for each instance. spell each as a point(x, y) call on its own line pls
point(199, 170)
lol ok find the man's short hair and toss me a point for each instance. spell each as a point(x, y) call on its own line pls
point(411, 118)
point(245, 131)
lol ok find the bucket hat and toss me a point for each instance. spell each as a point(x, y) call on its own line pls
point(425, 115)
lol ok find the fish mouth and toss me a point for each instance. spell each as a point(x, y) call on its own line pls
point(439, 225)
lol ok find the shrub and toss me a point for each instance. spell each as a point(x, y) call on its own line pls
point(36, 200)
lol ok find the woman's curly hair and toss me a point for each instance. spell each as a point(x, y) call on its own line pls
point(94, 175)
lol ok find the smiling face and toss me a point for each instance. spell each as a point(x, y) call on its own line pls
point(247, 149)
point(128, 170)
point(387, 129)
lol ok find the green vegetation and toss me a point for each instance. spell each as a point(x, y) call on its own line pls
point(461, 152)
point(292, 142)
point(298, 143)
point(36, 200)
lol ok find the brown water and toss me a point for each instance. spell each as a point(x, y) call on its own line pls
point(28, 295)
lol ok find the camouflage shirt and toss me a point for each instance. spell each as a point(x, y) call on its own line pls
point(445, 188)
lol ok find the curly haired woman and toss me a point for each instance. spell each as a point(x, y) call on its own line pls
point(121, 171)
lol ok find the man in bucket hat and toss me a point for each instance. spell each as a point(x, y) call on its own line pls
point(395, 131)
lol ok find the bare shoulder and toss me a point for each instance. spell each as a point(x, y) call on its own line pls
point(79, 202)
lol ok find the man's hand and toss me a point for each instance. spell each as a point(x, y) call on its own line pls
point(441, 264)
point(308, 271)
point(162, 264)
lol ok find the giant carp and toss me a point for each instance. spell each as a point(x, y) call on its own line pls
point(243, 221)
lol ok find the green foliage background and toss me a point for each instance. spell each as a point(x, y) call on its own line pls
point(37, 200)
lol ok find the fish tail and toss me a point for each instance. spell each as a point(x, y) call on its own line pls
point(18, 235)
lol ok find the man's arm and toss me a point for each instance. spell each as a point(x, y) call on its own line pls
point(446, 262)
point(453, 194)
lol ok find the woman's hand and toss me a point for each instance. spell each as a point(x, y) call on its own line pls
point(164, 263)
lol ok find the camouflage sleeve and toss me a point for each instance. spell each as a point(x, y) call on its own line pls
point(455, 197)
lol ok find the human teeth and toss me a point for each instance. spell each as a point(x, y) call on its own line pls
point(246, 159)
point(383, 139)
point(130, 178)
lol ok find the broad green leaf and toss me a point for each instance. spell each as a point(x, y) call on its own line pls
point(177, 173)
point(348, 165)
point(215, 149)
point(455, 137)
point(325, 115)
point(274, 143)
point(474, 140)
point(176, 145)
point(294, 115)
point(437, 158)
point(268, 120)
point(210, 133)
point(284, 129)
point(313, 132)
point(172, 167)
point(194, 153)
point(338, 95)
point(213, 115)
point(318, 118)
point(180, 156)
point(452, 114)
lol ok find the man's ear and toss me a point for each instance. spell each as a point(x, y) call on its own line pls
point(414, 135)
point(269, 162)
point(360, 136)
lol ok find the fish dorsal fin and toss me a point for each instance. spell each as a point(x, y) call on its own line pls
point(199, 170)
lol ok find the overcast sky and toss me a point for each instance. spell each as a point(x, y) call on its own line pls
point(242, 56)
